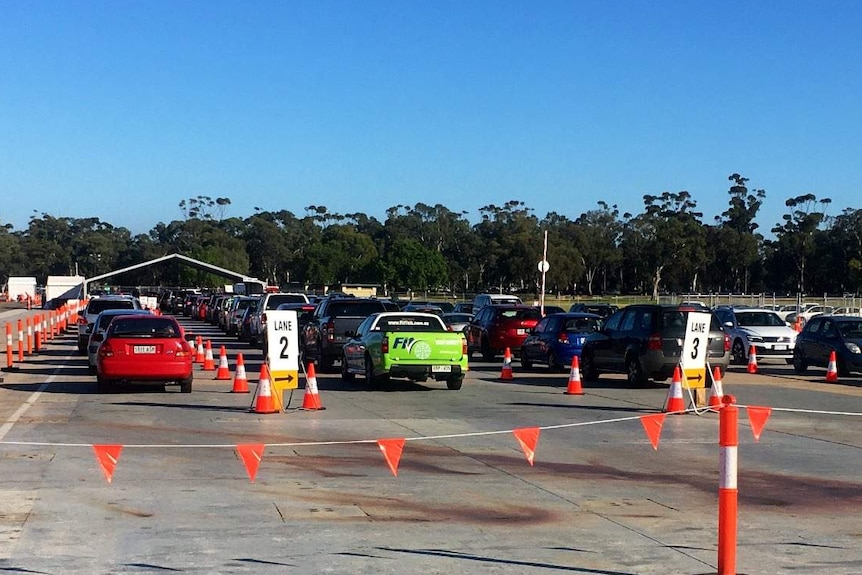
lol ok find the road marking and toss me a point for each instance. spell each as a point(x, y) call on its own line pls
point(19, 413)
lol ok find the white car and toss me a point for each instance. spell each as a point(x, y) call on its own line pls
point(854, 311)
point(762, 328)
point(808, 313)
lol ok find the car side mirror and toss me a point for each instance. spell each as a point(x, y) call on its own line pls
point(349, 333)
point(98, 337)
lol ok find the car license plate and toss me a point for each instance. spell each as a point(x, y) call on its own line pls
point(521, 331)
point(441, 369)
point(780, 348)
point(144, 349)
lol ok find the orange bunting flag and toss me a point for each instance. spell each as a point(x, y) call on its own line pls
point(391, 449)
point(108, 456)
point(652, 425)
point(757, 416)
point(528, 437)
point(251, 454)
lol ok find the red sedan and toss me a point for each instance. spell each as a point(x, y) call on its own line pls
point(144, 349)
point(497, 327)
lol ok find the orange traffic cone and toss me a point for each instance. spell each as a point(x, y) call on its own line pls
point(264, 402)
point(209, 360)
point(240, 383)
point(223, 369)
point(199, 355)
point(311, 400)
point(574, 387)
point(717, 393)
point(752, 360)
point(674, 402)
point(506, 373)
point(832, 368)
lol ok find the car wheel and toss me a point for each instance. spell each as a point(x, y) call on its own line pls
point(799, 363)
point(326, 363)
point(635, 373)
point(103, 385)
point(525, 361)
point(588, 367)
point(372, 380)
point(842, 368)
point(346, 375)
point(487, 352)
point(553, 364)
point(738, 354)
point(454, 382)
point(186, 384)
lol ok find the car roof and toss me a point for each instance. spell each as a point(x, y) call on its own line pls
point(126, 312)
point(575, 314)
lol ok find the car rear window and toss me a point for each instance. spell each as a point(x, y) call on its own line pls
point(145, 327)
point(354, 308)
point(582, 324)
point(277, 299)
point(98, 306)
point(408, 323)
point(521, 314)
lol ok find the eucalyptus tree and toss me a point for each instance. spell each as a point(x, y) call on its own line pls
point(597, 237)
point(267, 247)
point(735, 245)
point(44, 247)
point(343, 255)
point(438, 229)
point(674, 240)
point(512, 245)
point(411, 265)
point(795, 238)
point(9, 247)
point(837, 262)
point(566, 261)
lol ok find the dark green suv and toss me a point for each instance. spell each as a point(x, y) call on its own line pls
point(645, 342)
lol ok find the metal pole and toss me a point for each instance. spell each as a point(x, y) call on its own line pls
point(544, 259)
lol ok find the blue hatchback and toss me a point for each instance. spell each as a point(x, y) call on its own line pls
point(557, 339)
point(824, 334)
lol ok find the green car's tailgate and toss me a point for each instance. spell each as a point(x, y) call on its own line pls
point(424, 348)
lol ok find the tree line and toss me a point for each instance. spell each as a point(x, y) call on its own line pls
point(667, 247)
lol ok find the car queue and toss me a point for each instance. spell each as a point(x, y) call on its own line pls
point(642, 341)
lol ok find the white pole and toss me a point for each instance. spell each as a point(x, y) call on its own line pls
point(544, 259)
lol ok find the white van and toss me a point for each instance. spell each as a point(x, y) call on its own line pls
point(484, 299)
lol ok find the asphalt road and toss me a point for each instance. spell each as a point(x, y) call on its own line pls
point(598, 500)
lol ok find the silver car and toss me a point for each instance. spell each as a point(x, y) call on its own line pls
point(763, 329)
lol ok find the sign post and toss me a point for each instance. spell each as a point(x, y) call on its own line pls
point(282, 352)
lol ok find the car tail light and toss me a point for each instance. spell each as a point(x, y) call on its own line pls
point(263, 318)
point(563, 337)
point(384, 345)
point(726, 342)
point(184, 349)
point(654, 342)
point(329, 330)
point(105, 349)
point(82, 320)
point(464, 346)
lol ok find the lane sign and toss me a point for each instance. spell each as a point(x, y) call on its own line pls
point(282, 353)
point(694, 349)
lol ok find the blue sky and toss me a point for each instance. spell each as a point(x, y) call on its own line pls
point(120, 110)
